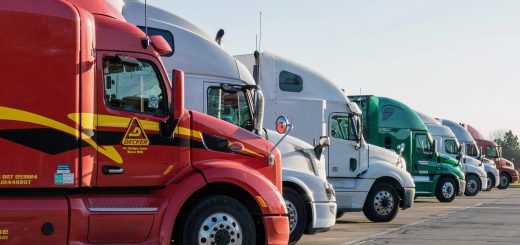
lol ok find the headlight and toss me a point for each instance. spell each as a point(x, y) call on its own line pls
point(329, 190)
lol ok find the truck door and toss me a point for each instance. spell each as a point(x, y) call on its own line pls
point(423, 163)
point(131, 102)
point(343, 152)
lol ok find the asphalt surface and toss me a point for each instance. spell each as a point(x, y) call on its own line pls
point(489, 218)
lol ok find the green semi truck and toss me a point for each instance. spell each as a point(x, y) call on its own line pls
point(393, 125)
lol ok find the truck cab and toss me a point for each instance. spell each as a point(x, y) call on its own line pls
point(358, 171)
point(491, 150)
point(472, 152)
point(221, 86)
point(447, 143)
point(393, 125)
point(102, 149)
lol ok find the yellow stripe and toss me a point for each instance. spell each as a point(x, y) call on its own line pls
point(88, 121)
point(23, 116)
point(252, 152)
point(168, 170)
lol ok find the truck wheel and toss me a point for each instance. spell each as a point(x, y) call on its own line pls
point(473, 185)
point(491, 182)
point(217, 219)
point(382, 203)
point(446, 190)
point(297, 214)
point(339, 214)
point(505, 180)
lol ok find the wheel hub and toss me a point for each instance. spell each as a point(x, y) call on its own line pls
point(220, 229)
point(472, 186)
point(293, 215)
point(384, 203)
point(503, 180)
point(448, 190)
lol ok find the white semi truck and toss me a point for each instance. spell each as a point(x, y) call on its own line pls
point(471, 151)
point(366, 177)
point(219, 85)
point(447, 143)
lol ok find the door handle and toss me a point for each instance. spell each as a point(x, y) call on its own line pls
point(112, 169)
point(353, 164)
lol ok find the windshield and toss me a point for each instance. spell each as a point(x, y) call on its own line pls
point(423, 142)
point(451, 146)
point(492, 151)
point(232, 106)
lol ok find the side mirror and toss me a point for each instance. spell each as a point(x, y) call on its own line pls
point(161, 46)
point(283, 126)
point(176, 108)
point(324, 142)
point(400, 148)
point(259, 110)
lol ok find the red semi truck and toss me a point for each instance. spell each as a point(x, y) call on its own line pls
point(97, 147)
point(491, 150)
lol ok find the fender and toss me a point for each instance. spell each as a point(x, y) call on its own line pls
point(472, 169)
point(248, 179)
point(378, 170)
point(296, 177)
point(453, 171)
point(178, 195)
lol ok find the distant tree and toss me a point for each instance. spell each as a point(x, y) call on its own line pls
point(510, 147)
point(497, 134)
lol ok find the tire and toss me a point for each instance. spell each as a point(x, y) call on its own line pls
point(297, 214)
point(473, 185)
point(505, 180)
point(339, 214)
point(382, 203)
point(491, 181)
point(219, 219)
point(446, 189)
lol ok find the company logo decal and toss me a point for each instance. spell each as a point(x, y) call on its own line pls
point(135, 135)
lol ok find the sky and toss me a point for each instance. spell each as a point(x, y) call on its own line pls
point(454, 59)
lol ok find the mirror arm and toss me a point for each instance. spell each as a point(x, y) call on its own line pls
point(271, 159)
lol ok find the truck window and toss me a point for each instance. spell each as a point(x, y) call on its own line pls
point(342, 127)
point(135, 89)
point(471, 150)
point(231, 107)
point(422, 143)
point(290, 82)
point(167, 35)
point(492, 151)
point(450, 146)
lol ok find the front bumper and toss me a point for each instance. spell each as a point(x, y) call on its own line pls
point(276, 229)
point(484, 182)
point(408, 198)
point(514, 177)
point(324, 216)
point(462, 187)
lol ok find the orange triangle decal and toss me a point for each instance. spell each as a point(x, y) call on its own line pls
point(135, 135)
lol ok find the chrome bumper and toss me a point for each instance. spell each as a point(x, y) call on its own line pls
point(462, 187)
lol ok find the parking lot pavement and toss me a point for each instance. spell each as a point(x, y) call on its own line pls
point(490, 217)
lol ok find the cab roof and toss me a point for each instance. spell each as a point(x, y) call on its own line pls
point(195, 52)
point(460, 132)
point(427, 119)
point(440, 130)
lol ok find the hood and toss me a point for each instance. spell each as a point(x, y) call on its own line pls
point(447, 159)
point(380, 154)
point(472, 161)
point(508, 163)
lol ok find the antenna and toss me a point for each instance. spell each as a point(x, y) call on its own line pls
point(146, 41)
point(260, 39)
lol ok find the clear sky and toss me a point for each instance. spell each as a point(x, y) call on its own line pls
point(455, 59)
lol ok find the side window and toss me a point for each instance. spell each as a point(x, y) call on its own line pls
point(290, 82)
point(342, 128)
point(450, 146)
point(471, 150)
point(232, 107)
point(167, 35)
point(136, 89)
point(422, 143)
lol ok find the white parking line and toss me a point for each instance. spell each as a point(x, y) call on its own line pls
point(363, 239)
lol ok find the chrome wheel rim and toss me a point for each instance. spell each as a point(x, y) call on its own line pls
point(472, 185)
point(293, 215)
point(384, 203)
point(220, 229)
point(504, 180)
point(448, 190)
